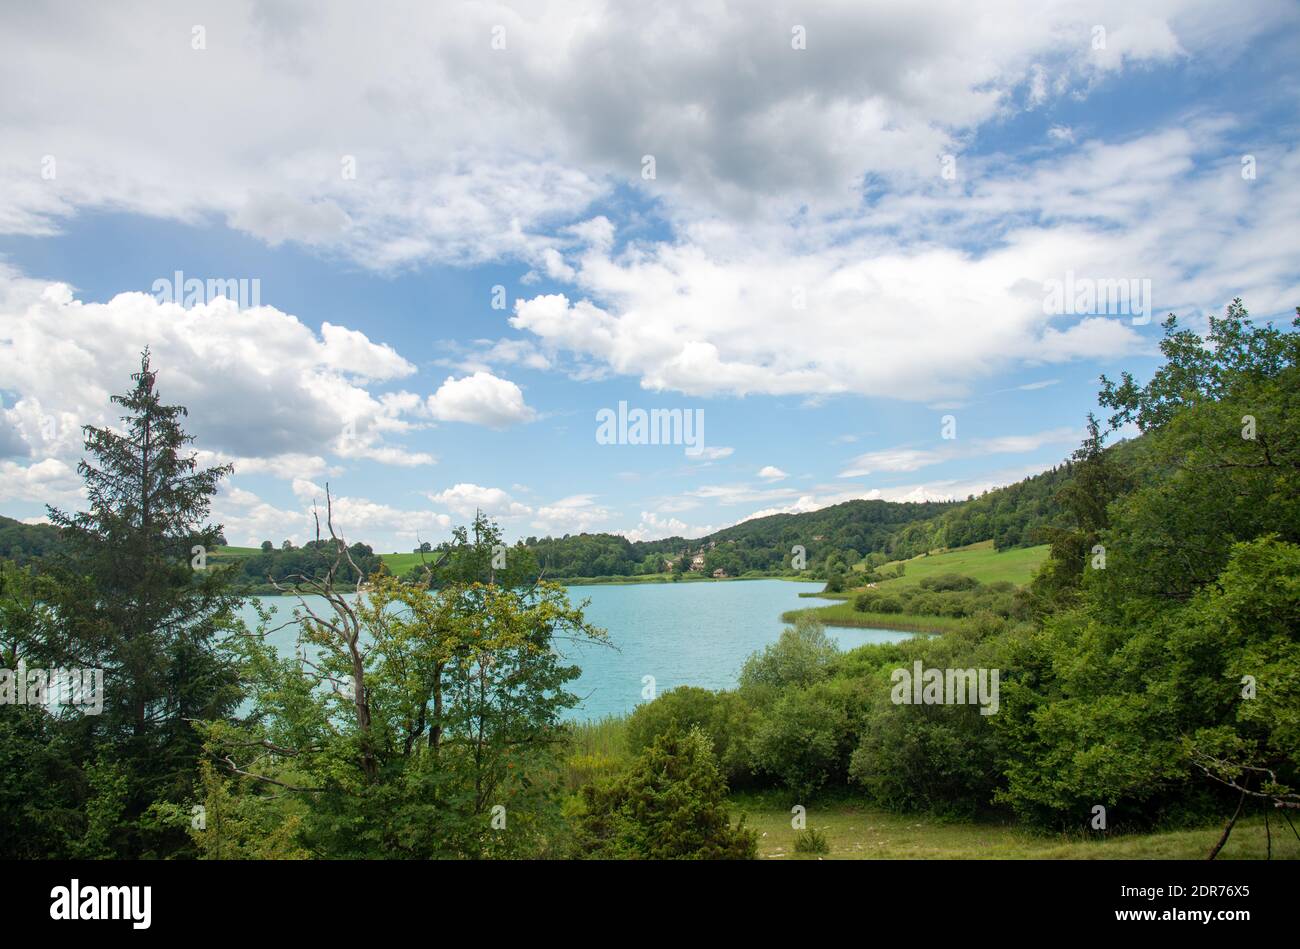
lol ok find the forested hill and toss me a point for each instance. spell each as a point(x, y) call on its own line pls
point(1014, 516)
point(23, 542)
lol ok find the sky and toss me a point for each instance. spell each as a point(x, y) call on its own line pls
point(870, 250)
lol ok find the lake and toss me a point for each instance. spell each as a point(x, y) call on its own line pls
point(680, 633)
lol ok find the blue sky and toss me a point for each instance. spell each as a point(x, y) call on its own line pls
point(842, 246)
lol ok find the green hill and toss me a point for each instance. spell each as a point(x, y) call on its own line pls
point(979, 562)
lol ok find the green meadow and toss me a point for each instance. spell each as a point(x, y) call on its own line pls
point(979, 561)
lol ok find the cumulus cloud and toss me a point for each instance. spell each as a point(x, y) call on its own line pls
point(575, 514)
point(482, 399)
point(935, 290)
point(653, 526)
point(264, 390)
point(465, 499)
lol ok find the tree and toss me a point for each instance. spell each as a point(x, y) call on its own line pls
point(802, 656)
point(669, 805)
point(136, 598)
point(267, 546)
point(420, 719)
point(1139, 690)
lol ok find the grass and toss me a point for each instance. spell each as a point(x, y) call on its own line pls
point(843, 614)
point(599, 750)
point(853, 832)
point(399, 564)
point(234, 553)
point(980, 561)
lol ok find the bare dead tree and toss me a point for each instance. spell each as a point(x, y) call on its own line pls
point(343, 627)
point(1223, 772)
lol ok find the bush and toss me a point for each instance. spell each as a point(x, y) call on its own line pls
point(889, 604)
point(725, 717)
point(803, 655)
point(811, 840)
point(804, 739)
point(949, 581)
point(939, 758)
point(669, 805)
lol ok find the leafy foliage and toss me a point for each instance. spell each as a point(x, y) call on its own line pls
point(670, 804)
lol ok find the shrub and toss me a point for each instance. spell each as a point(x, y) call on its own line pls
point(725, 717)
point(805, 738)
point(811, 840)
point(803, 655)
point(889, 604)
point(669, 805)
point(949, 581)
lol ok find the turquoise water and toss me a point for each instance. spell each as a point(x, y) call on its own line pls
point(678, 633)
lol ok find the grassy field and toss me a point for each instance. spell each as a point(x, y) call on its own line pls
point(860, 833)
point(980, 561)
point(401, 563)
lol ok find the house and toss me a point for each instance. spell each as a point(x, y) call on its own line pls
point(719, 574)
point(697, 562)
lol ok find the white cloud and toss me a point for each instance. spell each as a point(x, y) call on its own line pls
point(728, 494)
point(937, 289)
point(263, 389)
point(942, 490)
point(248, 520)
point(578, 95)
point(575, 514)
point(481, 399)
point(466, 498)
point(654, 527)
point(47, 481)
point(903, 459)
point(771, 473)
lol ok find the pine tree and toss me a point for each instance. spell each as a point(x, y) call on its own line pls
point(138, 600)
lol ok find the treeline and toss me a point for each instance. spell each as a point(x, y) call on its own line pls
point(288, 564)
point(1147, 677)
point(23, 543)
point(1019, 515)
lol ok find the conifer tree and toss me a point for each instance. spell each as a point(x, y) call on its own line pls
point(139, 600)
